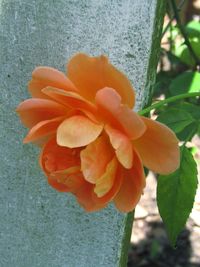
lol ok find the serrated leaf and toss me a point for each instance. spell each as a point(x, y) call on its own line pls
point(194, 110)
point(175, 119)
point(190, 130)
point(185, 83)
point(175, 195)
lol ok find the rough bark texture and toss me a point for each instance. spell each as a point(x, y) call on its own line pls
point(38, 226)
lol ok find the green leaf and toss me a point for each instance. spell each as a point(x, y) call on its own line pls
point(163, 80)
point(193, 29)
point(175, 195)
point(198, 131)
point(188, 132)
point(186, 82)
point(183, 108)
point(194, 110)
point(175, 119)
point(194, 150)
point(180, 49)
point(175, 61)
point(174, 31)
point(186, 57)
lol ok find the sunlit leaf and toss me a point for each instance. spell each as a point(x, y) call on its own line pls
point(182, 51)
point(175, 195)
point(186, 56)
point(193, 29)
point(174, 31)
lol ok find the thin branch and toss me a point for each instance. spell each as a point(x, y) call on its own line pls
point(173, 17)
point(182, 29)
point(168, 100)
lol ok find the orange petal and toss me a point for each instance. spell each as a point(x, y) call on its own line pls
point(35, 88)
point(62, 166)
point(34, 110)
point(94, 159)
point(70, 179)
point(106, 181)
point(118, 115)
point(122, 145)
point(88, 199)
point(131, 188)
point(43, 129)
point(90, 74)
point(56, 185)
point(85, 197)
point(158, 148)
point(114, 189)
point(77, 131)
point(55, 158)
point(47, 76)
point(73, 100)
point(43, 140)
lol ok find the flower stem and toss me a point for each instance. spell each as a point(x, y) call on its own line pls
point(168, 100)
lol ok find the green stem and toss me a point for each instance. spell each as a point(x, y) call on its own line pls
point(168, 100)
point(182, 29)
point(173, 17)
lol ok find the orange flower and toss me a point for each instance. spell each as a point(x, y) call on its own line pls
point(93, 143)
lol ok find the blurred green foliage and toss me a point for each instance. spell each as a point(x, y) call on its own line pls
point(183, 76)
point(176, 192)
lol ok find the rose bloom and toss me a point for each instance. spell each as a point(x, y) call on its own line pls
point(92, 143)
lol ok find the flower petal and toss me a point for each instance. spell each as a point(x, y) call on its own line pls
point(47, 76)
point(73, 100)
point(158, 148)
point(77, 131)
point(94, 159)
point(62, 166)
point(118, 115)
point(34, 110)
point(56, 185)
point(55, 158)
point(35, 88)
point(70, 179)
point(131, 188)
point(43, 129)
point(114, 189)
point(87, 199)
point(122, 145)
point(90, 74)
point(106, 181)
